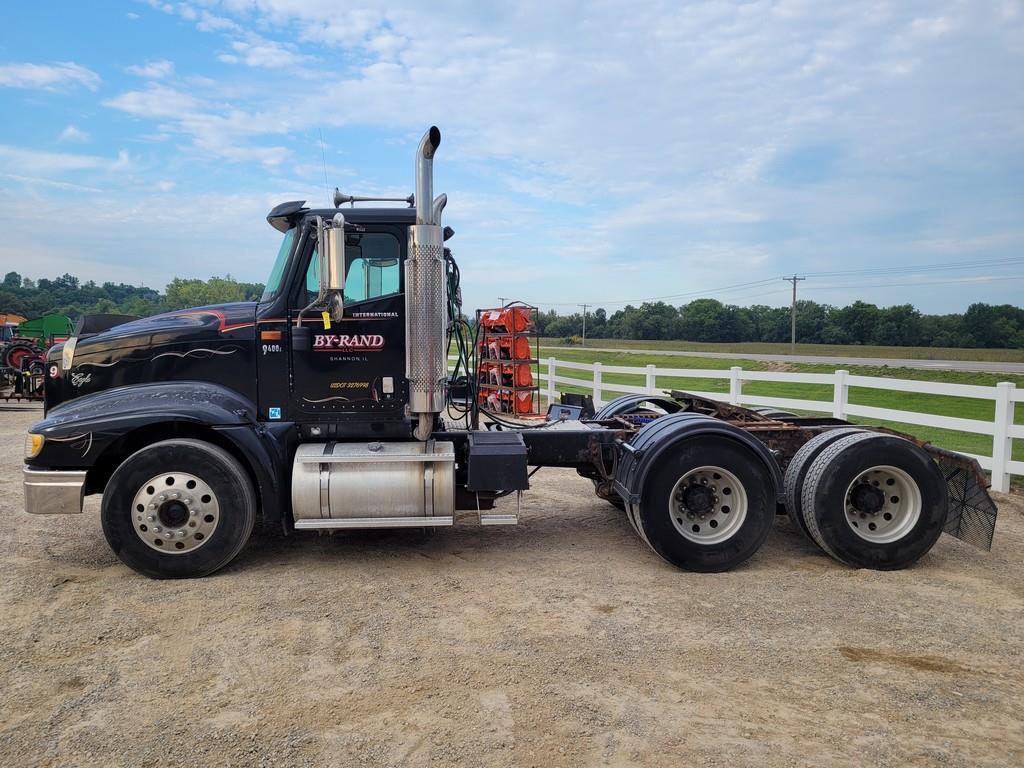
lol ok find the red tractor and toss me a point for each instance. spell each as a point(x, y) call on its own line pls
point(22, 364)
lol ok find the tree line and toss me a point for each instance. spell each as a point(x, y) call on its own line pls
point(69, 296)
point(709, 320)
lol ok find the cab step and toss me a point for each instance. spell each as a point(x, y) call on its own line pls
point(373, 522)
point(499, 519)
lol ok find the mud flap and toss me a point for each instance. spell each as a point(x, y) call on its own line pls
point(971, 515)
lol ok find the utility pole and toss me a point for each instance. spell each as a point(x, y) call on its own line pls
point(792, 314)
point(584, 342)
point(501, 301)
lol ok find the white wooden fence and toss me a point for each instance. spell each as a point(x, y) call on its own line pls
point(1001, 429)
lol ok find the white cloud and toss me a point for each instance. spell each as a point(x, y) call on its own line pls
point(36, 181)
point(19, 160)
point(154, 70)
point(258, 52)
point(156, 101)
point(55, 166)
point(123, 163)
point(165, 185)
point(208, 22)
point(216, 130)
point(49, 77)
point(73, 134)
point(199, 249)
point(625, 139)
point(932, 27)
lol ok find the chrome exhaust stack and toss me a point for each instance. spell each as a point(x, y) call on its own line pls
point(426, 351)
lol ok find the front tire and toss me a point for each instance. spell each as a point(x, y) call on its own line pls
point(178, 509)
point(707, 507)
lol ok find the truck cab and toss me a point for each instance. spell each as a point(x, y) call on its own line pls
point(349, 380)
point(353, 385)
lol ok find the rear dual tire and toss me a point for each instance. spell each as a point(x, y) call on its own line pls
point(797, 471)
point(873, 500)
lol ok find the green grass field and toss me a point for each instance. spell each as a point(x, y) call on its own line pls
point(968, 408)
point(844, 350)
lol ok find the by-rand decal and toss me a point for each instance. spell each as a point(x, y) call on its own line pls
point(360, 342)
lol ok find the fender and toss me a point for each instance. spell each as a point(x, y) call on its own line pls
point(78, 433)
point(626, 402)
point(665, 433)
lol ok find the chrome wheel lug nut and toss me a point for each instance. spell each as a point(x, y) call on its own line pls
point(150, 518)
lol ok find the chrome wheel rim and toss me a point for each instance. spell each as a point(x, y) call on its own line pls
point(175, 512)
point(708, 505)
point(883, 504)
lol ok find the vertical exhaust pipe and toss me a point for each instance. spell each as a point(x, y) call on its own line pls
point(425, 176)
point(426, 352)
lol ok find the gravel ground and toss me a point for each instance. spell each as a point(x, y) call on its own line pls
point(562, 641)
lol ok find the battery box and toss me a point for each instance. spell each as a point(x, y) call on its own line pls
point(497, 462)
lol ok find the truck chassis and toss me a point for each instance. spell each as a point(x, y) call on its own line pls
point(327, 405)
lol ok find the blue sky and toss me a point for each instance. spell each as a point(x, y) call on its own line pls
point(593, 152)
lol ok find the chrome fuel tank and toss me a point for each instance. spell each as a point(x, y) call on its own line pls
point(373, 485)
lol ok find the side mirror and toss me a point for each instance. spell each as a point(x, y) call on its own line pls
point(332, 273)
point(330, 239)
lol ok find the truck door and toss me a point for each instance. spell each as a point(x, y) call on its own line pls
point(355, 370)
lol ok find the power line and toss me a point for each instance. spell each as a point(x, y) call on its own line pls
point(979, 264)
point(956, 281)
point(737, 286)
point(911, 268)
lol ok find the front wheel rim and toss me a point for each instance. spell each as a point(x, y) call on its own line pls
point(708, 505)
point(882, 504)
point(175, 513)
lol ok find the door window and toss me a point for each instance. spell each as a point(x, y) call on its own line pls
point(372, 267)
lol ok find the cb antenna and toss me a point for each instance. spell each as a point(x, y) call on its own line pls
point(323, 158)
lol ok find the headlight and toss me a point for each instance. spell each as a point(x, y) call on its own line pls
point(67, 354)
point(33, 445)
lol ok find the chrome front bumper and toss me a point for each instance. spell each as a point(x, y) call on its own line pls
point(53, 492)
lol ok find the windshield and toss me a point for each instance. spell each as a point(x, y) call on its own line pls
point(277, 272)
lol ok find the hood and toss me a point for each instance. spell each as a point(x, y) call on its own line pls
point(212, 344)
point(213, 319)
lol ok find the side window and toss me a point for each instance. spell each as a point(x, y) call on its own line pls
point(372, 267)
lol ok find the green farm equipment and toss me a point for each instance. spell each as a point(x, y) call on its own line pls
point(23, 354)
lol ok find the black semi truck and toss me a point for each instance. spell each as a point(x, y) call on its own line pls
point(328, 404)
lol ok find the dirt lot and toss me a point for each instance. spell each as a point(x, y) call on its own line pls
point(562, 641)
